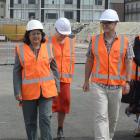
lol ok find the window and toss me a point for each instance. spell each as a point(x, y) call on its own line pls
point(11, 3)
point(1, 6)
point(68, 1)
point(51, 16)
point(31, 1)
point(68, 14)
point(31, 15)
point(98, 2)
point(19, 1)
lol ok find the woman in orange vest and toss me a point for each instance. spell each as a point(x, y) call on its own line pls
point(63, 48)
point(34, 85)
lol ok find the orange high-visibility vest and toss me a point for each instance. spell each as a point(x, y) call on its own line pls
point(36, 76)
point(109, 68)
point(133, 75)
point(64, 58)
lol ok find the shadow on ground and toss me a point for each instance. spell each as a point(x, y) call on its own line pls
point(125, 135)
point(120, 135)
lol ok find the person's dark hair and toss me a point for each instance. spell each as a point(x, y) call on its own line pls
point(27, 41)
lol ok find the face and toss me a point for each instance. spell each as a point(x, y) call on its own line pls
point(60, 37)
point(35, 37)
point(108, 26)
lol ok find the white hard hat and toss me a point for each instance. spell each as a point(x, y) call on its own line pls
point(109, 15)
point(34, 24)
point(63, 26)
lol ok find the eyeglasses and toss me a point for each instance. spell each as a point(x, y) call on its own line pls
point(107, 22)
point(35, 33)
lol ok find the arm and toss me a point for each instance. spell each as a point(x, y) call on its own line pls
point(128, 62)
point(55, 72)
point(17, 78)
point(88, 67)
point(128, 69)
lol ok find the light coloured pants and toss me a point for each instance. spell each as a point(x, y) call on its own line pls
point(31, 109)
point(106, 111)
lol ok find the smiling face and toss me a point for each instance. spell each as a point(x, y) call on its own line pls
point(35, 37)
point(108, 26)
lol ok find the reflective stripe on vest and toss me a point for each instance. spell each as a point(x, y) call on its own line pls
point(43, 79)
point(68, 75)
point(101, 76)
point(49, 49)
point(64, 75)
point(36, 80)
point(71, 48)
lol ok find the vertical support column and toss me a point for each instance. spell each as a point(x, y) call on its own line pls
point(42, 10)
point(106, 4)
point(11, 8)
point(78, 10)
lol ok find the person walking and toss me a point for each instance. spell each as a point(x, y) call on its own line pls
point(134, 106)
point(34, 84)
point(63, 48)
point(134, 95)
point(109, 61)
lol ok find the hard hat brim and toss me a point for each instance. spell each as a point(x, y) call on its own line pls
point(108, 20)
point(64, 33)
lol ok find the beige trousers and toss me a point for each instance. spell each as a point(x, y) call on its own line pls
point(106, 111)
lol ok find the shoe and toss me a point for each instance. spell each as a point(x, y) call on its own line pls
point(127, 112)
point(137, 132)
point(60, 135)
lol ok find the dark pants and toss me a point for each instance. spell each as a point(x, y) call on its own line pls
point(30, 113)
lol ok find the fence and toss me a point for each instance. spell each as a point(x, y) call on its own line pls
point(7, 52)
point(83, 35)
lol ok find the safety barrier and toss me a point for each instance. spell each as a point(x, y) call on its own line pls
point(7, 52)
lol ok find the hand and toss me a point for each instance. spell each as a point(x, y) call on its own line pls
point(126, 88)
point(19, 97)
point(86, 87)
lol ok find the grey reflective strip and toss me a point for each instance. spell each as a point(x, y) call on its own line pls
point(44, 79)
point(66, 75)
point(71, 48)
point(101, 76)
point(21, 53)
point(96, 53)
point(121, 53)
point(49, 48)
point(22, 56)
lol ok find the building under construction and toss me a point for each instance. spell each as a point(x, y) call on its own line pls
point(50, 10)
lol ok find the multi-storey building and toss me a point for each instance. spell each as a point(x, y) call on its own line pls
point(132, 10)
point(50, 10)
point(4, 8)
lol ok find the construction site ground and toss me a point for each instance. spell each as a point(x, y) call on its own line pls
point(78, 124)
